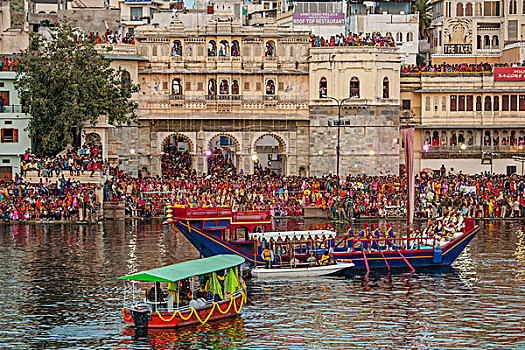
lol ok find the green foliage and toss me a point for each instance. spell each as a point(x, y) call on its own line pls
point(66, 85)
point(425, 16)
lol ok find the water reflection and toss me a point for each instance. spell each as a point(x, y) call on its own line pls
point(58, 290)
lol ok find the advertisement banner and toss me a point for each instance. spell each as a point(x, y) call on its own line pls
point(320, 18)
point(509, 73)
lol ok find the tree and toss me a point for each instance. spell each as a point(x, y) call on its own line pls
point(424, 8)
point(66, 84)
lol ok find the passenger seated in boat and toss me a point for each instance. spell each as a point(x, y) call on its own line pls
point(326, 259)
point(267, 256)
point(156, 294)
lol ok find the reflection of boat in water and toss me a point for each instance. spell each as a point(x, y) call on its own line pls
point(302, 272)
point(220, 231)
point(197, 293)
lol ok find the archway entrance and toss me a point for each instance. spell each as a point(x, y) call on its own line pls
point(269, 155)
point(222, 155)
point(176, 158)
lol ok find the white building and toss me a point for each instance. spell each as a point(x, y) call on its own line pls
point(390, 19)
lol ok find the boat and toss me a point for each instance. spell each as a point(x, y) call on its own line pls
point(197, 293)
point(220, 231)
point(301, 272)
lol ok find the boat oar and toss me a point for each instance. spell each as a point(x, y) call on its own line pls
point(366, 261)
point(406, 261)
point(383, 255)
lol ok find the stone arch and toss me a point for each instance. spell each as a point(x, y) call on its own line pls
point(282, 149)
point(93, 137)
point(170, 161)
point(232, 154)
point(191, 146)
point(235, 141)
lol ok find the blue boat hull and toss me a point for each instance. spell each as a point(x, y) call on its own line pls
point(210, 243)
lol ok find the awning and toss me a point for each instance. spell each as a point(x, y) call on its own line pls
point(177, 272)
point(299, 235)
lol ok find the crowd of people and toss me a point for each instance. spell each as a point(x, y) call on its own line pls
point(437, 193)
point(352, 39)
point(7, 64)
point(455, 68)
point(110, 37)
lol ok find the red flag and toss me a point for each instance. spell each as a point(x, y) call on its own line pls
point(408, 140)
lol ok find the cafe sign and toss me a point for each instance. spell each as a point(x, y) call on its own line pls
point(509, 73)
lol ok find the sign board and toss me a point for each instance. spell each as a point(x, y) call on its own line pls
point(319, 18)
point(452, 49)
point(509, 74)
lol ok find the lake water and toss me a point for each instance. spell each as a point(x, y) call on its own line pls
point(58, 290)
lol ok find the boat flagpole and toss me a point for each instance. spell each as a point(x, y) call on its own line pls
point(408, 140)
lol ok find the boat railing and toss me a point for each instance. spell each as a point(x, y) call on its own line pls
point(373, 244)
point(201, 213)
point(187, 308)
point(251, 216)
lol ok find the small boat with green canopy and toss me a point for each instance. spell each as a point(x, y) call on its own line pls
point(184, 294)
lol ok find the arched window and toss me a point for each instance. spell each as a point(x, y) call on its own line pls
point(459, 10)
point(235, 87)
point(427, 104)
point(495, 107)
point(436, 102)
point(479, 42)
point(386, 88)
point(125, 78)
point(212, 48)
point(487, 140)
point(443, 103)
point(212, 87)
point(495, 42)
point(176, 87)
point(488, 103)
point(224, 48)
point(176, 49)
point(461, 137)
point(354, 87)
point(486, 41)
point(478, 9)
point(435, 138)
point(270, 49)
point(323, 86)
point(468, 10)
point(154, 50)
point(478, 103)
point(399, 37)
point(236, 51)
point(410, 36)
point(224, 87)
point(270, 87)
point(453, 139)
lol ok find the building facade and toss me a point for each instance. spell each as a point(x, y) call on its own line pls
point(471, 122)
point(14, 140)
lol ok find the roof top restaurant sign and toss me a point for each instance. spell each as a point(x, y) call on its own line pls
point(509, 73)
point(319, 18)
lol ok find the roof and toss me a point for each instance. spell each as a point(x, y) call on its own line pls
point(293, 234)
point(177, 272)
point(124, 57)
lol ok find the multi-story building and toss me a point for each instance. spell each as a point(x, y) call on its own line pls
point(472, 122)
point(220, 87)
point(14, 140)
point(475, 31)
point(389, 19)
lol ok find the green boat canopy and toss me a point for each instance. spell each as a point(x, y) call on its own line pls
point(177, 272)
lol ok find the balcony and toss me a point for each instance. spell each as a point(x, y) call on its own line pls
point(434, 152)
point(12, 109)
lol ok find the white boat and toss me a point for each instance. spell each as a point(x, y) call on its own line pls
point(299, 272)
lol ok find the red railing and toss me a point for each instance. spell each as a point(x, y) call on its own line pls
point(201, 213)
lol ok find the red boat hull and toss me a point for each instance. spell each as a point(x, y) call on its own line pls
point(208, 313)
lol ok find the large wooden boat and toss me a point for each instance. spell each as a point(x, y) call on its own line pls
point(220, 231)
point(187, 303)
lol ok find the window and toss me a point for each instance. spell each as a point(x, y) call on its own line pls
point(125, 80)
point(257, 86)
point(212, 87)
point(235, 48)
point(200, 86)
point(478, 103)
point(6, 161)
point(135, 13)
point(224, 87)
point(224, 48)
point(8, 122)
point(354, 87)
point(470, 103)
point(495, 42)
point(436, 101)
point(235, 87)
point(522, 103)
point(270, 49)
point(176, 50)
point(281, 86)
point(468, 10)
point(399, 37)
point(154, 50)
point(9, 135)
point(427, 104)
point(410, 36)
point(4, 98)
point(6, 173)
point(513, 102)
point(406, 104)
point(246, 85)
point(495, 107)
point(461, 103)
point(212, 48)
point(513, 7)
point(386, 88)
point(453, 103)
point(443, 103)
point(164, 85)
point(270, 87)
point(505, 102)
point(488, 103)
point(188, 86)
point(176, 87)
point(323, 88)
point(459, 10)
